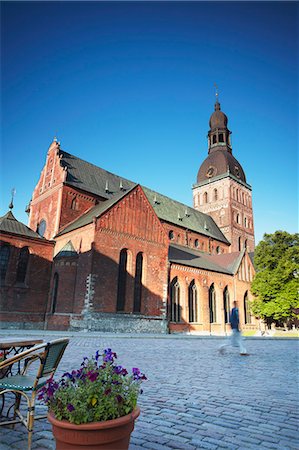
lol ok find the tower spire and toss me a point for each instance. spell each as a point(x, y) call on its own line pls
point(13, 193)
point(217, 104)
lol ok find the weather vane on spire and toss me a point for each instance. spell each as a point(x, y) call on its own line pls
point(13, 193)
point(217, 93)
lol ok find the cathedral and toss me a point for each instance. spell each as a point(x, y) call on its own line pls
point(103, 253)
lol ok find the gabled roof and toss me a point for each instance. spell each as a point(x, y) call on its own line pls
point(95, 211)
point(194, 258)
point(230, 261)
point(90, 178)
point(184, 216)
point(9, 224)
point(67, 250)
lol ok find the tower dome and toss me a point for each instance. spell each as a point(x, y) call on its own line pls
point(218, 119)
point(220, 160)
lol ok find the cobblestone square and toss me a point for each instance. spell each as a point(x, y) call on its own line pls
point(194, 398)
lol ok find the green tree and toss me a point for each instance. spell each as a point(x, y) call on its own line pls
point(276, 283)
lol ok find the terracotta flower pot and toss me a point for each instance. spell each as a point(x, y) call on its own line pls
point(109, 435)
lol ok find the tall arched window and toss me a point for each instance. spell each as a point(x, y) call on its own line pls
point(215, 194)
point(205, 197)
point(4, 258)
point(138, 283)
point(22, 264)
point(55, 292)
point(247, 315)
point(122, 280)
point(212, 303)
point(226, 305)
point(192, 302)
point(240, 243)
point(41, 228)
point(175, 308)
point(245, 243)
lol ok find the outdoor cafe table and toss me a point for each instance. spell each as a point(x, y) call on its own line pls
point(10, 347)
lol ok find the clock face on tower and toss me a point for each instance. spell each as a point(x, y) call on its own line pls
point(211, 172)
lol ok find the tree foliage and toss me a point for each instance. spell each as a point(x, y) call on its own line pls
point(276, 283)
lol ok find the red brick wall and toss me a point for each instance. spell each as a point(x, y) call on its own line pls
point(18, 300)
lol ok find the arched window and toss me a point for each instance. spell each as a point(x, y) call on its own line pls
point(218, 250)
point(122, 280)
point(237, 194)
point(245, 243)
point(192, 302)
point(247, 315)
point(221, 137)
point(238, 218)
point(138, 283)
point(175, 308)
point(74, 203)
point(196, 243)
point(245, 222)
point(214, 139)
point(240, 243)
point(215, 194)
point(226, 305)
point(212, 303)
point(55, 292)
point(22, 264)
point(205, 197)
point(171, 235)
point(41, 228)
point(4, 258)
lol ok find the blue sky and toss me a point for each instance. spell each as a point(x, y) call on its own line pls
point(130, 87)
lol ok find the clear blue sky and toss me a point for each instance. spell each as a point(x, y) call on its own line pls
point(130, 88)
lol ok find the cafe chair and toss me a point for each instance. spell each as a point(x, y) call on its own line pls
point(47, 357)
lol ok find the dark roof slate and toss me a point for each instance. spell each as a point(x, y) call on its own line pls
point(9, 224)
point(184, 216)
point(194, 258)
point(93, 179)
point(67, 251)
point(88, 177)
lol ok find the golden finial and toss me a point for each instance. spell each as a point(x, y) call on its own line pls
point(217, 93)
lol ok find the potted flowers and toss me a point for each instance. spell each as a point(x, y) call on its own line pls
point(95, 406)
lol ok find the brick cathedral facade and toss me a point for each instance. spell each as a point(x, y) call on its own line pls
point(122, 257)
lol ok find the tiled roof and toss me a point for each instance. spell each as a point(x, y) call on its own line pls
point(231, 261)
point(88, 177)
point(9, 224)
point(107, 185)
point(184, 216)
point(194, 258)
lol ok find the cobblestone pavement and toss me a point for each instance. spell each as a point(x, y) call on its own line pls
point(195, 398)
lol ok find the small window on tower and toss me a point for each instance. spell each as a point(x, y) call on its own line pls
point(214, 139)
point(221, 137)
point(171, 235)
point(42, 227)
point(205, 197)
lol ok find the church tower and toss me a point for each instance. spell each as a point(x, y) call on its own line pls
point(221, 189)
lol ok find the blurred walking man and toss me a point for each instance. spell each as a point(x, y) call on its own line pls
point(236, 339)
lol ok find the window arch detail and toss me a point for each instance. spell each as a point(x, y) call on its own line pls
point(4, 259)
point(175, 307)
point(247, 315)
point(192, 302)
point(212, 303)
point(55, 292)
point(22, 265)
point(138, 283)
point(122, 280)
point(226, 305)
